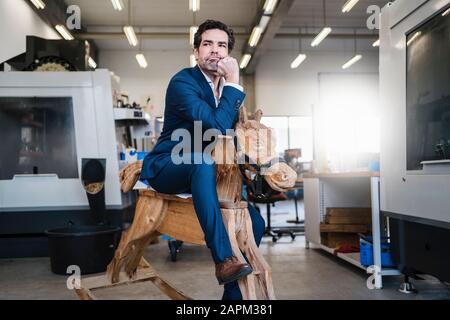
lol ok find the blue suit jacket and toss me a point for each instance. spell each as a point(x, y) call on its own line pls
point(189, 98)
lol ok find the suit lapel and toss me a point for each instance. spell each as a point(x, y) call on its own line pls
point(207, 92)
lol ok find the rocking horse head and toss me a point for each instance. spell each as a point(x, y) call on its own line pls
point(263, 171)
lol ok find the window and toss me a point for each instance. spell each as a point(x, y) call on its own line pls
point(292, 133)
point(38, 137)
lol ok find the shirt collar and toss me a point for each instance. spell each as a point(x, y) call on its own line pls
point(211, 84)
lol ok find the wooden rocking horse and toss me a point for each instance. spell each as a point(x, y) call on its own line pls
point(158, 213)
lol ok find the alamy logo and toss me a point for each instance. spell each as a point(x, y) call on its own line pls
point(375, 271)
point(255, 145)
point(74, 280)
point(74, 19)
point(373, 22)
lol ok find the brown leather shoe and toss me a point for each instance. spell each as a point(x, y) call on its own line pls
point(231, 270)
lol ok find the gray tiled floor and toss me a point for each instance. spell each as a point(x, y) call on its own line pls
point(298, 273)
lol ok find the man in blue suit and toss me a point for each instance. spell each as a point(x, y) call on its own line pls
point(210, 93)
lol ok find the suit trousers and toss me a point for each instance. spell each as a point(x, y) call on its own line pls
point(200, 181)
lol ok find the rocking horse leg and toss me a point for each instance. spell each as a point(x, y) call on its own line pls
point(248, 246)
point(149, 214)
point(246, 284)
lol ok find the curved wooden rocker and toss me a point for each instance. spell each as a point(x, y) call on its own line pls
point(158, 213)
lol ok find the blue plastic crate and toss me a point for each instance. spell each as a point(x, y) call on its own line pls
point(366, 251)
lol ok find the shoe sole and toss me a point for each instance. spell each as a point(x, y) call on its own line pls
point(244, 272)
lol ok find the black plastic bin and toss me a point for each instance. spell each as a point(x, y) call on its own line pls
point(89, 247)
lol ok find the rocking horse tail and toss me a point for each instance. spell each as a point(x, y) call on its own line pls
point(129, 175)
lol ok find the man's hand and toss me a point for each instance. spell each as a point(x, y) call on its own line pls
point(229, 69)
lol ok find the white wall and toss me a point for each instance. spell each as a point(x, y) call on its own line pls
point(281, 90)
point(343, 103)
point(150, 82)
point(17, 20)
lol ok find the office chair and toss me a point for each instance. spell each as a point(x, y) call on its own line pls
point(274, 232)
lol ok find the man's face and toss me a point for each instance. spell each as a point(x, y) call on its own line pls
point(213, 48)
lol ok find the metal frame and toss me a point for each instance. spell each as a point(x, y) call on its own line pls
point(377, 269)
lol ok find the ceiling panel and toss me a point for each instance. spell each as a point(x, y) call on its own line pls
point(166, 12)
point(309, 13)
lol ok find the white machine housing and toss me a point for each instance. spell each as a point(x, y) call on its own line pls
point(420, 194)
point(91, 93)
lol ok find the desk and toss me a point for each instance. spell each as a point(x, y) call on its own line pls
point(352, 189)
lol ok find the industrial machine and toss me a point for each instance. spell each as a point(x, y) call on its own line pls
point(49, 122)
point(415, 154)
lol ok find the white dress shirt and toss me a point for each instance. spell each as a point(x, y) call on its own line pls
point(222, 83)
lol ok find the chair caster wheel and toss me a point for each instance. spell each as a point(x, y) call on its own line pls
point(173, 251)
point(174, 248)
point(274, 239)
point(293, 237)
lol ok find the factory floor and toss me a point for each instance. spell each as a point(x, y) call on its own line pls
point(298, 273)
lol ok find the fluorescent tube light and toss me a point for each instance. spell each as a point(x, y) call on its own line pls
point(131, 36)
point(352, 61)
point(194, 5)
point(254, 37)
point(349, 5)
point(92, 63)
point(141, 60)
point(117, 4)
point(300, 58)
point(245, 60)
point(321, 36)
point(264, 22)
point(269, 6)
point(446, 12)
point(64, 32)
point(376, 43)
point(192, 31)
point(38, 4)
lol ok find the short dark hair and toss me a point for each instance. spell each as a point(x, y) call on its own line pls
point(213, 24)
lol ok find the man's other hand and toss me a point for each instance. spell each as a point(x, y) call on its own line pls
point(229, 69)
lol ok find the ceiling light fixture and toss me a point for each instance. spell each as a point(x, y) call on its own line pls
point(141, 60)
point(64, 32)
point(92, 63)
point(300, 58)
point(269, 6)
point(254, 37)
point(131, 35)
point(325, 31)
point(192, 32)
point(349, 5)
point(352, 61)
point(117, 4)
point(321, 36)
point(38, 4)
point(245, 60)
point(264, 22)
point(194, 5)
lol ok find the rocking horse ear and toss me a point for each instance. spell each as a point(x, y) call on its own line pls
point(258, 115)
point(243, 117)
